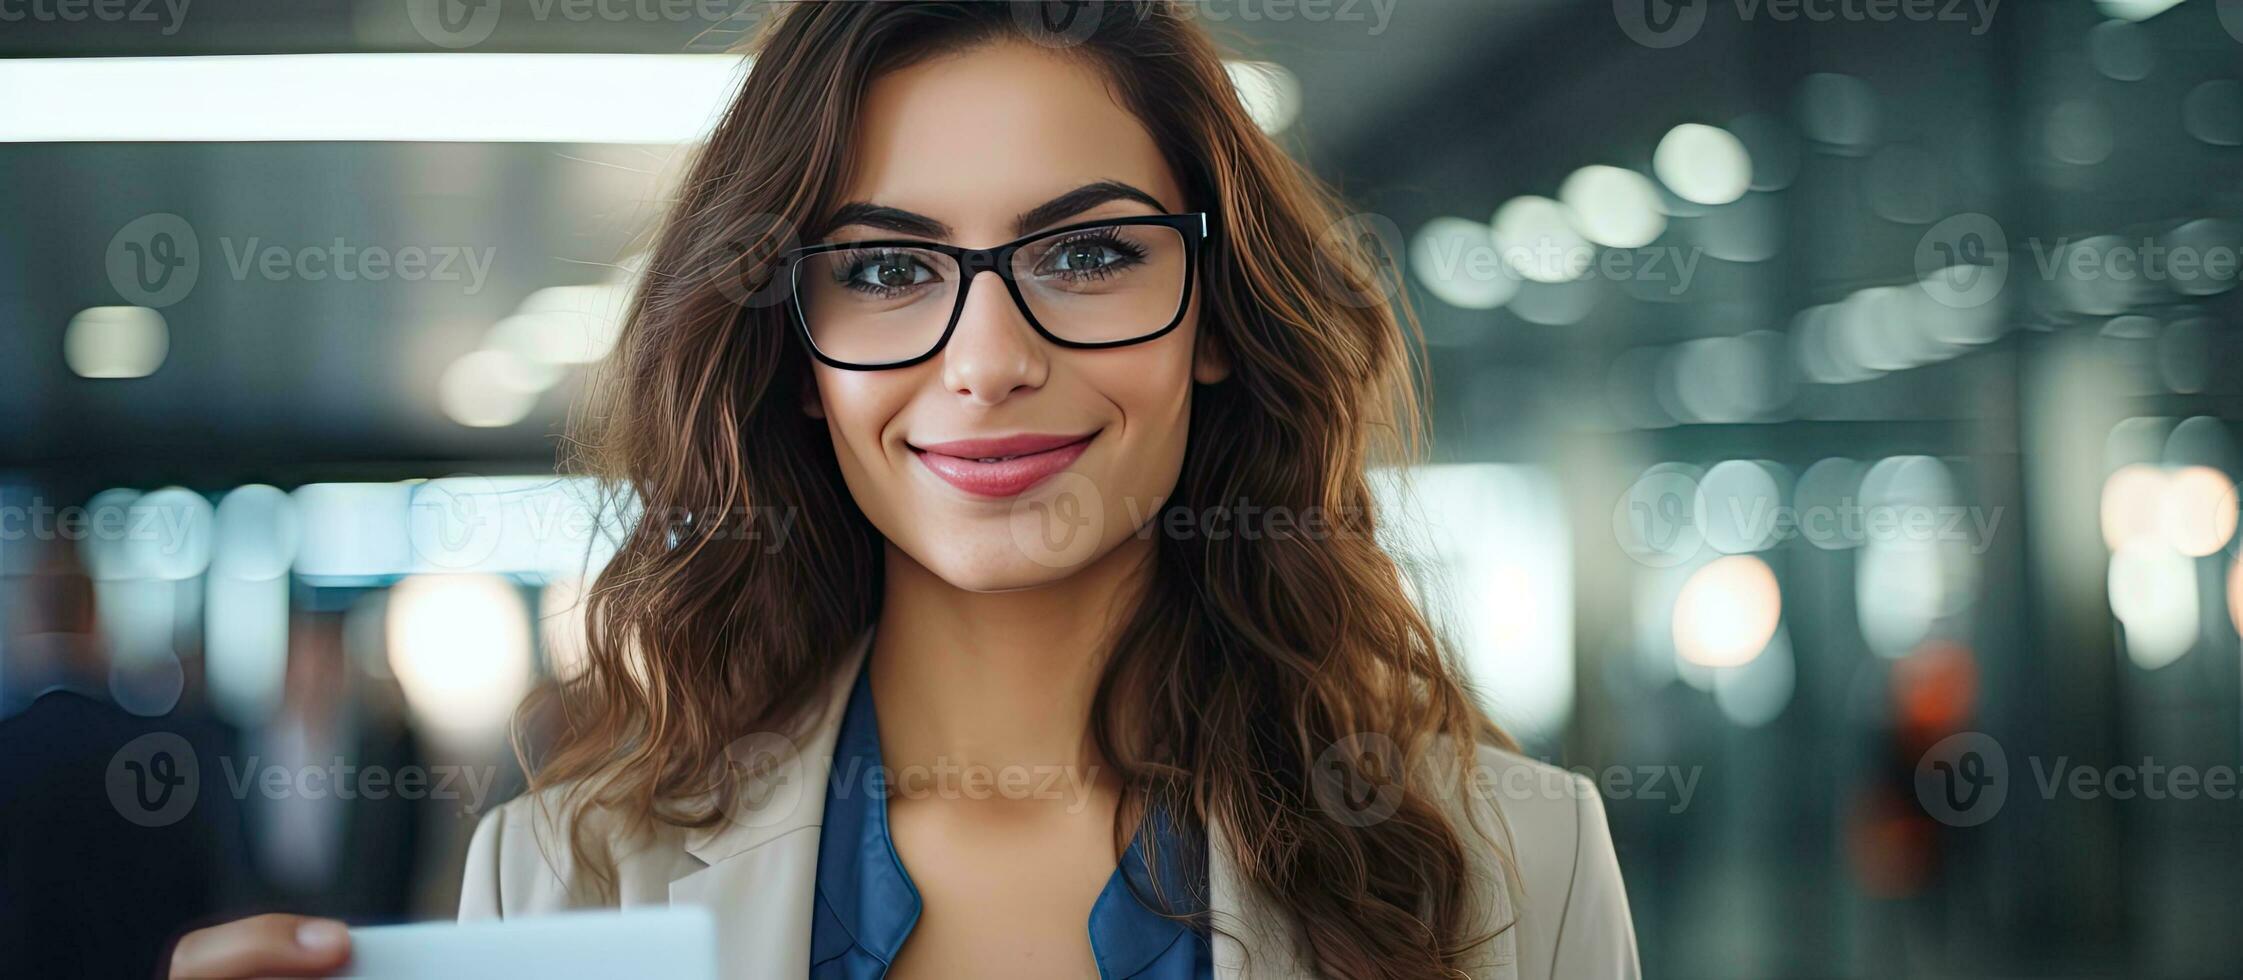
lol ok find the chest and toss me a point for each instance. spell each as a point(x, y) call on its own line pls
point(1002, 893)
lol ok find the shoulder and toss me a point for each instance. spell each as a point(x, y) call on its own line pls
point(523, 857)
point(1547, 841)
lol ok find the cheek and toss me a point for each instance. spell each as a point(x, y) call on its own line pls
point(858, 406)
point(1151, 387)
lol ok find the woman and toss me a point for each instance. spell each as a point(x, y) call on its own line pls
point(1223, 745)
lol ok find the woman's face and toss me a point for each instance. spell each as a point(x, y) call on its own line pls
point(974, 141)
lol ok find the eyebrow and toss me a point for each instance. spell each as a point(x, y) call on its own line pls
point(1043, 215)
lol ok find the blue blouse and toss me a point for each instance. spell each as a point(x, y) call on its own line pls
point(867, 903)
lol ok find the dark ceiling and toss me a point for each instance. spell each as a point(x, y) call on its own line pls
point(283, 380)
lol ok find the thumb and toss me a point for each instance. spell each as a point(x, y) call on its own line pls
point(264, 945)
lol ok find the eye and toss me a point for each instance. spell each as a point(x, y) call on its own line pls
point(1088, 256)
point(883, 273)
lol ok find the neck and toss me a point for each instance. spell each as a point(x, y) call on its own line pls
point(996, 679)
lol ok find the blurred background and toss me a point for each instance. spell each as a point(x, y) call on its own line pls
point(1833, 430)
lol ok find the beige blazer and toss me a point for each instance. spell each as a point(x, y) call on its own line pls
point(757, 871)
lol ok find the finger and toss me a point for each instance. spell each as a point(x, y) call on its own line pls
point(264, 945)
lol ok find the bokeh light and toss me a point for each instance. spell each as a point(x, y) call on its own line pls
point(1614, 207)
point(460, 648)
point(1727, 612)
point(2132, 498)
point(1456, 260)
point(490, 388)
point(1537, 240)
point(2153, 592)
point(116, 342)
point(2197, 510)
point(1703, 164)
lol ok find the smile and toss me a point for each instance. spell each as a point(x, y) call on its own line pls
point(1003, 467)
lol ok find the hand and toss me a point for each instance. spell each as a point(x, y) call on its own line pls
point(262, 946)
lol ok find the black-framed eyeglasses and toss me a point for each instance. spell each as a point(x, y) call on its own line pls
point(891, 303)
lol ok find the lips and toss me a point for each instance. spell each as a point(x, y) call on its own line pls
point(1002, 467)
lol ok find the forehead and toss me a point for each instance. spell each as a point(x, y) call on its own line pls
point(976, 137)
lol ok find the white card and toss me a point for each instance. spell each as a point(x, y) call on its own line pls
point(676, 942)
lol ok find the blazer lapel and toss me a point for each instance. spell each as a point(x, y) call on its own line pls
point(761, 870)
point(1264, 943)
point(1251, 939)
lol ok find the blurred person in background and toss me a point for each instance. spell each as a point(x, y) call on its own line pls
point(347, 846)
point(1269, 744)
point(107, 848)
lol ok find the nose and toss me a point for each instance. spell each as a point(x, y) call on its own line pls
point(993, 352)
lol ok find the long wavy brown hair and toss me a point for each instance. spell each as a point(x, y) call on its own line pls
point(1251, 669)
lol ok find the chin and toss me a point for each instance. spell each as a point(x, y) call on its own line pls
point(990, 562)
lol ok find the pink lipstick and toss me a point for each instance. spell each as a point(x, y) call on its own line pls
point(1002, 467)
